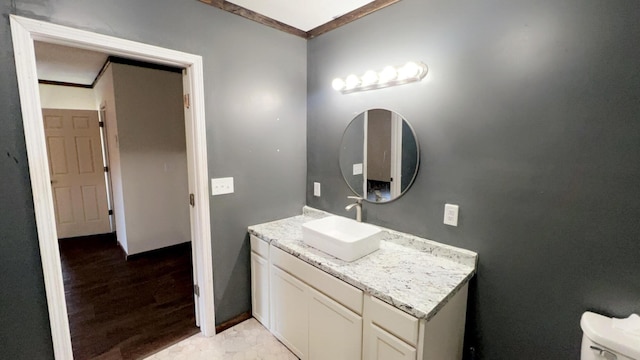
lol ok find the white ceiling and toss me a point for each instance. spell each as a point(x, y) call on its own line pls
point(302, 14)
point(77, 66)
point(65, 64)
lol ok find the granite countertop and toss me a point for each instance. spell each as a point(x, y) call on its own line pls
point(415, 275)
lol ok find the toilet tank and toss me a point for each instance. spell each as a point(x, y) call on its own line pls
point(602, 341)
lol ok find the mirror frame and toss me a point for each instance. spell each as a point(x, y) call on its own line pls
point(418, 158)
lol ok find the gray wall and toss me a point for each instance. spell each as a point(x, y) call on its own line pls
point(152, 154)
point(253, 76)
point(24, 329)
point(352, 152)
point(529, 120)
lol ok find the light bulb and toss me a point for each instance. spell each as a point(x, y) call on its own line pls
point(369, 78)
point(409, 70)
point(338, 84)
point(388, 74)
point(352, 82)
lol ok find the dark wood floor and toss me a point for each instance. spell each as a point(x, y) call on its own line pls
point(126, 309)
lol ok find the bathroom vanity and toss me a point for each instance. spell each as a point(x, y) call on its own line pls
point(406, 300)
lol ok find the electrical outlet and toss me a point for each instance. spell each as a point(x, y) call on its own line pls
point(451, 214)
point(221, 186)
point(316, 189)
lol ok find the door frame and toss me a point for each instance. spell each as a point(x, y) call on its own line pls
point(24, 32)
point(365, 155)
point(395, 188)
point(107, 163)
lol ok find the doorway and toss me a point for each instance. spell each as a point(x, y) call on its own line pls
point(382, 133)
point(24, 33)
point(148, 269)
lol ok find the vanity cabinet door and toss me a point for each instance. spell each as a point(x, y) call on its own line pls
point(381, 345)
point(290, 311)
point(260, 289)
point(335, 332)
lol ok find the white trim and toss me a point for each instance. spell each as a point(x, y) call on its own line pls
point(24, 32)
point(395, 187)
point(365, 156)
point(41, 188)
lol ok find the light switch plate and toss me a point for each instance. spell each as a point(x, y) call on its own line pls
point(357, 169)
point(221, 186)
point(451, 214)
point(316, 189)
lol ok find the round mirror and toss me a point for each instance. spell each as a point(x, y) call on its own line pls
point(379, 155)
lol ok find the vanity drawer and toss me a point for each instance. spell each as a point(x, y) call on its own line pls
point(259, 246)
point(334, 288)
point(395, 321)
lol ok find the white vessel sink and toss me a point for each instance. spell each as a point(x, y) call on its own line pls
point(340, 237)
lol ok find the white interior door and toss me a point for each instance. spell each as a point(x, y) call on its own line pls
point(186, 86)
point(77, 173)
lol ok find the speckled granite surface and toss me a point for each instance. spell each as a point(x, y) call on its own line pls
point(415, 275)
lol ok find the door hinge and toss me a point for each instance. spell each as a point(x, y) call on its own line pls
point(196, 289)
point(192, 200)
point(110, 212)
point(101, 124)
point(106, 169)
point(187, 101)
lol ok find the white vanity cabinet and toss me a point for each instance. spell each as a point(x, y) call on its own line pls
point(318, 316)
point(313, 313)
point(260, 281)
point(391, 334)
point(381, 345)
point(335, 332)
point(312, 325)
point(290, 310)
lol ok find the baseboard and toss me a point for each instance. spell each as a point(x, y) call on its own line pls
point(232, 322)
point(106, 236)
point(124, 252)
point(151, 252)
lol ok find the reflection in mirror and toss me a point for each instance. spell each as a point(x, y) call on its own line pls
point(379, 155)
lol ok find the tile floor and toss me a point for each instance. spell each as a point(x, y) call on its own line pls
point(247, 340)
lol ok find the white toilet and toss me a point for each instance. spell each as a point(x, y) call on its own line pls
point(606, 338)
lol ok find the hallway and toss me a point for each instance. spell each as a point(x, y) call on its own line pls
point(122, 309)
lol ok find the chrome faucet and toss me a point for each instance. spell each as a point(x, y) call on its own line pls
point(357, 205)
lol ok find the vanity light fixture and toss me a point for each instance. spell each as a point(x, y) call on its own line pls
point(351, 83)
point(338, 84)
point(369, 78)
point(389, 76)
